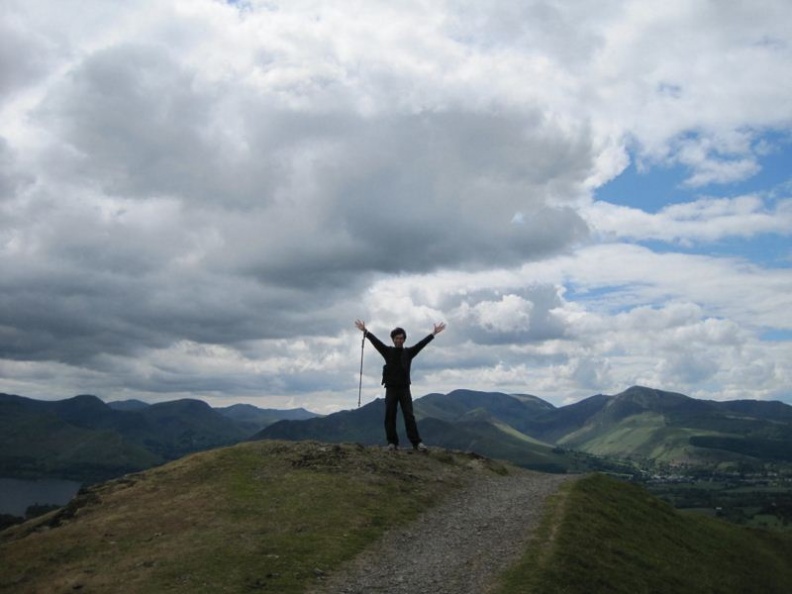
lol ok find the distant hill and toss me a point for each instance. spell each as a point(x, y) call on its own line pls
point(458, 428)
point(468, 405)
point(128, 404)
point(671, 428)
point(84, 439)
point(255, 418)
point(653, 427)
point(362, 425)
point(37, 439)
point(276, 516)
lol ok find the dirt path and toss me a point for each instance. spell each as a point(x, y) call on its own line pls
point(457, 548)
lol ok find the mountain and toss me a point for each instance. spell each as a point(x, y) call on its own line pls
point(641, 425)
point(127, 404)
point(246, 415)
point(362, 425)
point(670, 428)
point(37, 440)
point(179, 427)
point(463, 420)
point(82, 438)
point(492, 423)
point(85, 439)
point(465, 405)
point(365, 424)
point(256, 418)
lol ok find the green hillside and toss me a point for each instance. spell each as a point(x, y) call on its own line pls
point(605, 536)
point(84, 439)
point(256, 516)
point(643, 431)
point(275, 516)
point(655, 426)
point(36, 441)
point(459, 405)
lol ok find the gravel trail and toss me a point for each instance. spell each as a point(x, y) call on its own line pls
point(459, 547)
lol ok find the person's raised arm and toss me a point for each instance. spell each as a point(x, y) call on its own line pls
point(418, 346)
point(378, 344)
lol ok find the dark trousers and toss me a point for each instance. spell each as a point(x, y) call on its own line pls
point(393, 398)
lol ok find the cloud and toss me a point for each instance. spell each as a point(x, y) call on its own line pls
point(511, 318)
point(701, 221)
point(200, 197)
point(179, 206)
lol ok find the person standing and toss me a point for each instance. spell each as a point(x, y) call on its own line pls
point(396, 379)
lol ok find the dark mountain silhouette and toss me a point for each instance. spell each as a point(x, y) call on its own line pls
point(127, 404)
point(462, 420)
point(86, 439)
point(82, 438)
point(362, 425)
point(646, 424)
point(37, 440)
point(466, 405)
point(255, 418)
point(771, 411)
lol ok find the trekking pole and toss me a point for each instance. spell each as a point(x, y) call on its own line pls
point(360, 383)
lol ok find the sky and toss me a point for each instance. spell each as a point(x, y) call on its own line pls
point(198, 198)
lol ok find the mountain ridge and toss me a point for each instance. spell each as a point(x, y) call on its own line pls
point(652, 425)
point(85, 439)
point(641, 427)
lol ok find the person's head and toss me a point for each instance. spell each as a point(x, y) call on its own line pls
point(398, 336)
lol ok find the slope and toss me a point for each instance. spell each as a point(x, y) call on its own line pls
point(672, 428)
point(255, 419)
point(458, 404)
point(278, 516)
point(36, 440)
point(84, 439)
point(262, 515)
point(605, 536)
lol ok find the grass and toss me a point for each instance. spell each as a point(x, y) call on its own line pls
point(260, 516)
point(275, 516)
point(752, 505)
point(602, 535)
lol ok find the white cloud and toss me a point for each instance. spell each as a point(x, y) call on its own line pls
point(704, 220)
point(199, 197)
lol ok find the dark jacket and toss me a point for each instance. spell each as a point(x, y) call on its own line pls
point(396, 372)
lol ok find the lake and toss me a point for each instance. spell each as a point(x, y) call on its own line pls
point(17, 494)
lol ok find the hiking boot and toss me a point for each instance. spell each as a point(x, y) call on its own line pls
point(421, 447)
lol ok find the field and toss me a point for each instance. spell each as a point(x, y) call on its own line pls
point(757, 503)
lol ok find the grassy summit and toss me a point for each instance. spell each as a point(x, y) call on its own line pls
point(276, 516)
point(260, 515)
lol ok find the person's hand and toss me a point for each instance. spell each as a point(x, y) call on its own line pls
point(360, 325)
point(438, 328)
